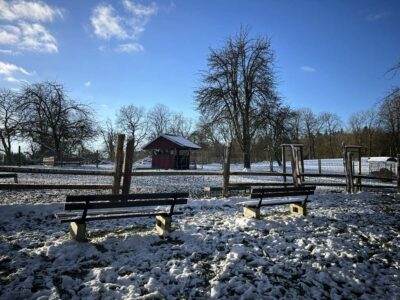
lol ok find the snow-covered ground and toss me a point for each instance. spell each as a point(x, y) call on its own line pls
point(348, 246)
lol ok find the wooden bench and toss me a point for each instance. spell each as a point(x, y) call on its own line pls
point(48, 161)
point(84, 208)
point(10, 175)
point(217, 190)
point(298, 206)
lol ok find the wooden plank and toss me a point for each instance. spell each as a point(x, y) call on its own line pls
point(121, 204)
point(118, 163)
point(35, 186)
point(119, 216)
point(271, 202)
point(111, 197)
point(277, 194)
point(284, 189)
point(128, 163)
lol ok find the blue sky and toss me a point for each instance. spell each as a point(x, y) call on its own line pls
point(330, 55)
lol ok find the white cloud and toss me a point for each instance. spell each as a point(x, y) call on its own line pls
point(123, 26)
point(106, 23)
point(25, 30)
point(132, 47)
point(8, 52)
point(308, 69)
point(377, 16)
point(28, 10)
point(10, 71)
point(88, 83)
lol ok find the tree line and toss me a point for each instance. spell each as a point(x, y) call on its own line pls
point(239, 108)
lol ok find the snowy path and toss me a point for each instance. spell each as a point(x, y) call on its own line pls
point(348, 247)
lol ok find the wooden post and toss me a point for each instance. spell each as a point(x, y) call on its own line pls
point(118, 163)
point(227, 165)
point(398, 171)
point(283, 163)
point(319, 166)
point(19, 156)
point(97, 158)
point(302, 163)
point(129, 153)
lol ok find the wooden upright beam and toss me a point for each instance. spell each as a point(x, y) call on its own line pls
point(226, 171)
point(118, 163)
point(129, 152)
point(398, 171)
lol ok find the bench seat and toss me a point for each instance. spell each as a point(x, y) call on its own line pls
point(84, 208)
point(270, 202)
point(93, 216)
point(291, 195)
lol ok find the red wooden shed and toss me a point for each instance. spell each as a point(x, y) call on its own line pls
point(171, 152)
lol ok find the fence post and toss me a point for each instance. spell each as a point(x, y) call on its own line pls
point(129, 153)
point(284, 163)
point(398, 171)
point(319, 166)
point(97, 158)
point(227, 163)
point(19, 156)
point(118, 163)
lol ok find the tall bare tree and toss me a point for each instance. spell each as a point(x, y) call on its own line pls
point(54, 121)
point(310, 125)
point(179, 125)
point(331, 123)
point(240, 83)
point(10, 117)
point(109, 136)
point(158, 120)
point(131, 119)
point(389, 116)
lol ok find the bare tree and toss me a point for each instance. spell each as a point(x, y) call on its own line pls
point(109, 136)
point(131, 119)
point(331, 123)
point(310, 125)
point(389, 117)
point(158, 120)
point(53, 121)
point(179, 125)
point(240, 83)
point(362, 125)
point(10, 116)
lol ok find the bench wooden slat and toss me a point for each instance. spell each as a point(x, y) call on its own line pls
point(271, 202)
point(107, 216)
point(144, 196)
point(283, 189)
point(280, 194)
point(120, 204)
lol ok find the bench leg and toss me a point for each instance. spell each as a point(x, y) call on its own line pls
point(251, 212)
point(163, 224)
point(298, 209)
point(15, 179)
point(78, 231)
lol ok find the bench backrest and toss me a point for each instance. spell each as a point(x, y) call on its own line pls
point(282, 192)
point(85, 202)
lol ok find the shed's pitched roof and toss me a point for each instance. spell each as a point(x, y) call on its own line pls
point(181, 141)
point(178, 140)
point(381, 159)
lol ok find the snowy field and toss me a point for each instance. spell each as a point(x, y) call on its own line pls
point(348, 247)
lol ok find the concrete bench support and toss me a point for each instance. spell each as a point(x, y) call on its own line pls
point(298, 209)
point(78, 231)
point(163, 224)
point(251, 212)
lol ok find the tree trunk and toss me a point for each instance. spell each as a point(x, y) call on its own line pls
point(226, 172)
point(246, 152)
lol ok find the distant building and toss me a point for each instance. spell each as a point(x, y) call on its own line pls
point(382, 166)
point(171, 152)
